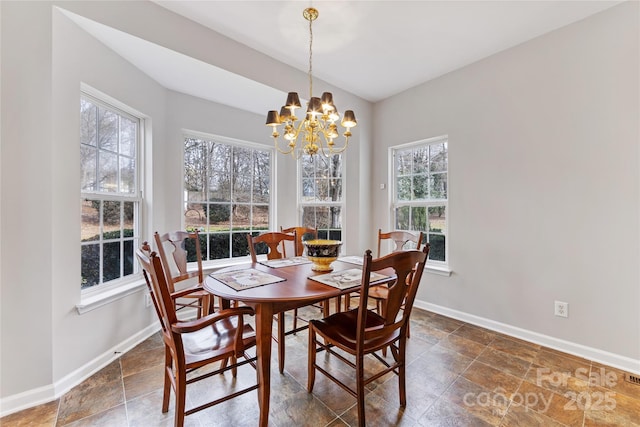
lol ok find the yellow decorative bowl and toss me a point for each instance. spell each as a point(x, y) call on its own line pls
point(322, 253)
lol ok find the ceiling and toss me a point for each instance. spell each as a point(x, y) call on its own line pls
point(373, 49)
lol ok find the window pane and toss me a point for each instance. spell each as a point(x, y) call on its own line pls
point(403, 162)
point(402, 218)
point(335, 166)
point(322, 190)
point(418, 218)
point(194, 169)
point(107, 130)
point(111, 220)
point(421, 160)
point(88, 115)
point(242, 181)
point(128, 224)
point(436, 249)
point(403, 188)
point(241, 217)
point(128, 257)
point(90, 228)
point(308, 189)
point(195, 217)
point(110, 261)
point(437, 219)
point(88, 168)
point(438, 186)
point(420, 187)
point(220, 215)
point(108, 172)
point(262, 177)
point(219, 246)
point(90, 265)
point(240, 245)
point(438, 157)
point(127, 175)
point(260, 217)
point(219, 187)
point(308, 169)
point(128, 136)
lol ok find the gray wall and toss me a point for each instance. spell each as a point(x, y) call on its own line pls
point(544, 184)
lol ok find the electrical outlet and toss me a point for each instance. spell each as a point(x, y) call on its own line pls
point(147, 300)
point(561, 309)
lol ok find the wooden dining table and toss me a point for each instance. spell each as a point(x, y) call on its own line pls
point(297, 290)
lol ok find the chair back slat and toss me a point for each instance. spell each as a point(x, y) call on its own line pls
point(274, 241)
point(175, 249)
point(402, 240)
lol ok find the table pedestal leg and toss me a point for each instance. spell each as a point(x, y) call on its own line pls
point(264, 323)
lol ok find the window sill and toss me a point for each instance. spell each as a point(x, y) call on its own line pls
point(441, 270)
point(94, 300)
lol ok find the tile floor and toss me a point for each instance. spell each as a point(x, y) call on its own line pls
point(457, 375)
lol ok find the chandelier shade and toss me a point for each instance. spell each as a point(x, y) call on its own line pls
point(318, 129)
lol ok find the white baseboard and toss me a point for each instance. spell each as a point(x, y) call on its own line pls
point(606, 358)
point(40, 395)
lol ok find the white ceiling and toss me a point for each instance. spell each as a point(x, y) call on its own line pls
point(373, 49)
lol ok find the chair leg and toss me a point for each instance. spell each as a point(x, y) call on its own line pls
point(281, 342)
point(166, 392)
point(402, 371)
point(360, 390)
point(311, 363)
point(181, 396)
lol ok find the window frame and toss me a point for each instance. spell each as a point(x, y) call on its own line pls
point(436, 266)
point(231, 260)
point(130, 282)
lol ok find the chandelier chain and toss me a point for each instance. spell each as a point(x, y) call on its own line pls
point(310, 58)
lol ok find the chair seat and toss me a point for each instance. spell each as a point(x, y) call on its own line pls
point(341, 329)
point(214, 341)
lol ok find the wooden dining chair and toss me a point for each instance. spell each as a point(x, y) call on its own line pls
point(360, 332)
point(301, 233)
point(173, 250)
point(402, 240)
point(194, 344)
point(275, 243)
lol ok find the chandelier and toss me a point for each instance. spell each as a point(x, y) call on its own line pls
point(318, 130)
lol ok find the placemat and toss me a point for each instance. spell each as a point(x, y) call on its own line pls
point(345, 279)
point(352, 259)
point(285, 262)
point(246, 278)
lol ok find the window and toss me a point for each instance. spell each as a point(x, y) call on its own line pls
point(321, 194)
point(420, 192)
point(109, 190)
point(227, 193)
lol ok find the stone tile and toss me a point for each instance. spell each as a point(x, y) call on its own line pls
point(505, 362)
point(441, 357)
point(144, 382)
point(475, 333)
point(146, 410)
point(520, 415)
point(138, 361)
point(445, 413)
point(380, 413)
point(82, 401)
point(39, 416)
point(477, 401)
point(442, 323)
point(558, 407)
point(561, 382)
point(515, 347)
point(116, 416)
point(606, 407)
point(561, 362)
point(492, 379)
point(462, 345)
